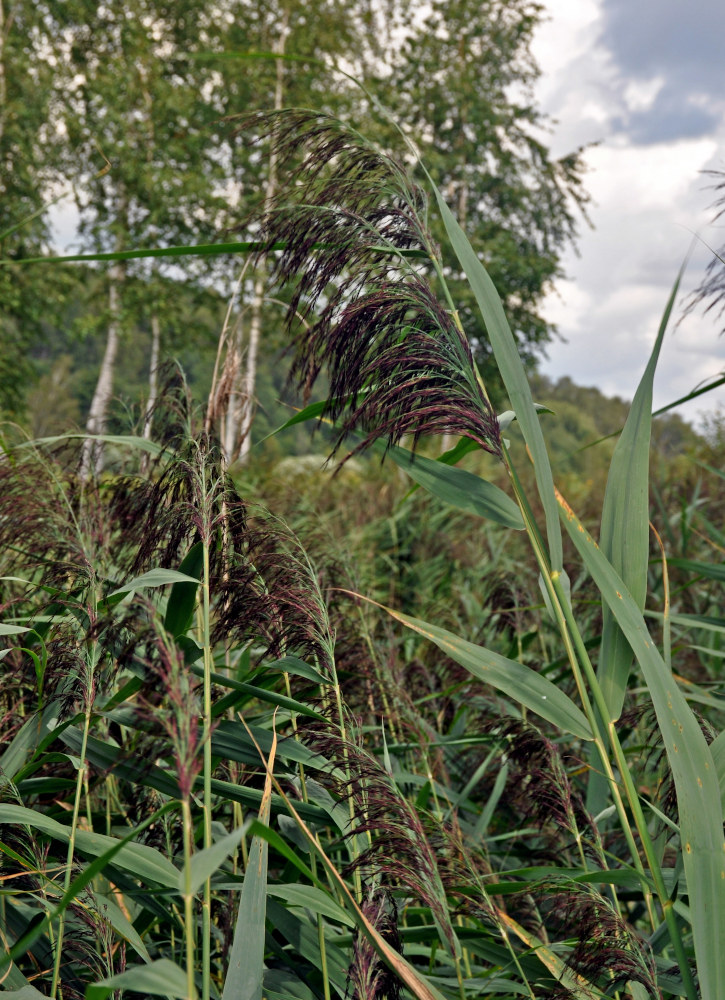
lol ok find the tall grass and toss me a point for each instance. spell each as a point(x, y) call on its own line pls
point(234, 768)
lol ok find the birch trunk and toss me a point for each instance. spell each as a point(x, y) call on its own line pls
point(240, 413)
point(153, 374)
point(92, 454)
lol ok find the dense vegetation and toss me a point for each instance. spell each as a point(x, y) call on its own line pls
point(286, 729)
point(238, 765)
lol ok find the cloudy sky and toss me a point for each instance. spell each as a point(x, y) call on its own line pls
point(645, 81)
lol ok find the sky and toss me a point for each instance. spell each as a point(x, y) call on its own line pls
point(641, 83)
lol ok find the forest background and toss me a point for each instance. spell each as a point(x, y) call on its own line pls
point(124, 110)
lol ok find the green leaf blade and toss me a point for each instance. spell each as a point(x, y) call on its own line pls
point(160, 978)
point(624, 533)
point(459, 488)
point(691, 762)
point(518, 682)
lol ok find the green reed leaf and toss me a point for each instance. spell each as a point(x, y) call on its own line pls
point(123, 440)
point(624, 535)
point(454, 486)
point(245, 974)
point(457, 487)
point(717, 749)
point(114, 849)
point(160, 978)
point(314, 899)
point(205, 862)
point(139, 860)
point(691, 762)
point(155, 578)
point(518, 682)
point(711, 571)
point(26, 741)
point(28, 992)
point(182, 599)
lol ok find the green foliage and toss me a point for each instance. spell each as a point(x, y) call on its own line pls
point(225, 774)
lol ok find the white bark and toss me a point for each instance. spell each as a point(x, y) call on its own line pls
point(153, 374)
point(240, 412)
point(92, 454)
point(250, 372)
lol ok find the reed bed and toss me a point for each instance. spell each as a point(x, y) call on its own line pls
point(237, 764)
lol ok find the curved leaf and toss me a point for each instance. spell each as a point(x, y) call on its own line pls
point(458, 488)
point(624, 535)
point(160, 978)
point(511, 369)
point(245, 974)
point(518, 682)
point(182, 599)
point(138, 859)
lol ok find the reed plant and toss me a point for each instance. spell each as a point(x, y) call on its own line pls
point(236, 769)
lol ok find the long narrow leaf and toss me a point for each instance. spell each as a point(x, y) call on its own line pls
point(204, 863)
point(196, 250)
point(624, 535)
point(514, 679)
point(26, 740)
point(124, 440)
point(160, 978)
point(712, 571)
point(458, 488)
point(86, 876)
point(245, 975)
point(454, 486)
point(691, 763)
point(138, 859)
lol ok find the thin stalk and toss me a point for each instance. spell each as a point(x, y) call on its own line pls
point(459, 977)
point(512, 952)
point(578, 654)
point(466, 957)
point(188, 897)
point(568, 629)
point(71, 846)
point(351, 805)
point(634, 804)
point(206, 898)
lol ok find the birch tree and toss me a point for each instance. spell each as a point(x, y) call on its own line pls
point(136, 116)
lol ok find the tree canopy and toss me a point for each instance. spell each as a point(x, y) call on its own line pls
point(135, 104)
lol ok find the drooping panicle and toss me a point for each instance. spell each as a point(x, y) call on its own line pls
point(351, 245)
point(369, 978)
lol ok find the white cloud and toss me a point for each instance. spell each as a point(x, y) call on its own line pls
point(640, 95)
point(648, 198)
